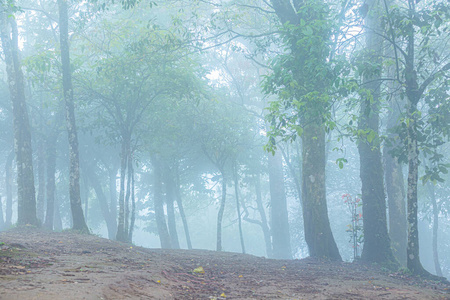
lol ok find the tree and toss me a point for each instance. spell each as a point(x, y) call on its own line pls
point(79, 222)
point(377, 246)
point(417, 71)
point(301, 79)
point(22, 132)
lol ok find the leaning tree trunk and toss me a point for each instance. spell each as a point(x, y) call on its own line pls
point(79, 222)
point(109, 217)
point(281, 244)
point(264, 225)
point(377, 247)
point(22, 134)
point(318, 233)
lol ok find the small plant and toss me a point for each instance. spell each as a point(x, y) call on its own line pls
point(355, 228)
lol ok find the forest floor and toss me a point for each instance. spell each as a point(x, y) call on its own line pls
point(41, 265)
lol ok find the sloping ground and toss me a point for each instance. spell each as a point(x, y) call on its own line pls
point(41, 265)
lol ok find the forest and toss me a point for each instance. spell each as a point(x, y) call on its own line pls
point(278, 128)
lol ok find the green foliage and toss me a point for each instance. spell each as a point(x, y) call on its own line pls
point(305, 79)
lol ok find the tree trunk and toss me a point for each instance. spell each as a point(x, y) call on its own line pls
point(79, 222)
point(318, 233)
point(281, 244)
point(51, 186)
point(182, 214)
point(22, 134)
point(264, 225)
point(9, 189)
point(40, 200)
point(133, 204)
point(110, 218)
point(121, 236)
point(113, 194)
point(238, 208)
point(220, 213)
point(2, 221)
point(161, 224)
point(57, 222)
point(437, 265)
point(171, 221)
point(377, 246)
point(395, 193)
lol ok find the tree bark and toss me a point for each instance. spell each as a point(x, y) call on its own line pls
point(377, 246)
point(161, 224)
point(133, 204)
point(318, 233)
point(238, 208)
point(264, 224)
point(437, 265)
point(281, 244)
point(395, 189)
point(110, 218)
point(79, 222)
point(22, 134)
point(171, 221)
point(182, 214)
point(51, 186)
point(220, 213)
point(40, 200)
point(9, 189)
point(121, 235)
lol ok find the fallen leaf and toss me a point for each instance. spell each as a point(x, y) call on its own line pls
point(199, 270)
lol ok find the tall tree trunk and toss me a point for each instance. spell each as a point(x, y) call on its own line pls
point(281, 244)
point(112, 174)
point(377, 246)
point(161, 224)
point(238, 208)
point(22, 134)
point(40, 200)
point(9, 189)
point(264, 224)
point(437, 265)
point(171, 221)
point(121, 236)
point(127, 199)
point(79, 222)
point(413, 258)
point(318, 233)
point(57, 222)
point(220, 213)
point(182, 214)
point(51, 186)
point(2, 221)
point(395, 189)
point(133, 204)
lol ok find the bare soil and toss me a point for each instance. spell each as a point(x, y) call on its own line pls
point(35, 264)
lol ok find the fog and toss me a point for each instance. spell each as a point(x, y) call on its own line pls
point(230, 126)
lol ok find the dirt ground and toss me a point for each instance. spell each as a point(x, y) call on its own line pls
point(41, 265)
